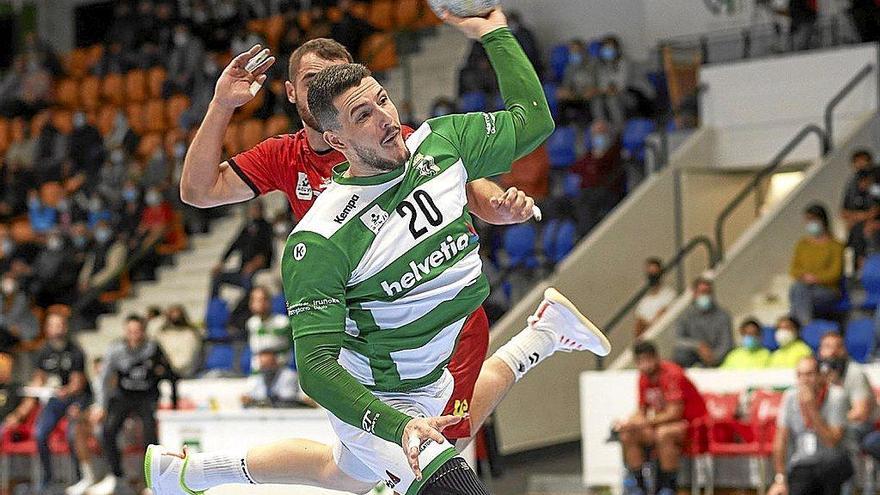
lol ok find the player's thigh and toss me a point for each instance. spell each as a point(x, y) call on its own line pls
point(671, 433)
point(465, 366)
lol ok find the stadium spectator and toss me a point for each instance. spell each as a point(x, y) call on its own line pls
point(15, 182)
point(601, 175)
point(154, 227)
point(101, 266)
point(121, 136)
point(267, 331)
point(655, 302)
point(184, 60)
point(180, 340)
point(809, 453)
point(54, 273)
point(866, 19)
point(111, 178)
point(15, 310)
point(60, 367)
point(526, 39)
point(751, 354)
point(817, 266)
point(115, 60)
point(622, 90)
point(23, 146)
point(27, 90)
point(85, 148)
point(802, 31)
point(476, 76)
point(442, 106)
point(350, 31)
point(254, 246)
point(201, 94)
point(274, 385)
point(704, 332)
point(50, 152)
point(132, 370)
point(839, 369)
point(579, 84)
point(243, 40)
point(791, 348)
point(10, 85)
point(668, 403)
point(858, 202)
point(10, 391)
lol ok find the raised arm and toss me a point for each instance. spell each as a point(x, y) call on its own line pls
point(204, 181)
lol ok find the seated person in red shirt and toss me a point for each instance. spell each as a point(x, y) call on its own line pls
point(668, 402)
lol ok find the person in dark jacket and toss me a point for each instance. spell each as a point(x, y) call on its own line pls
point(254, 246)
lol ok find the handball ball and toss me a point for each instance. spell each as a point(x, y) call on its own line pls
point(464, 8)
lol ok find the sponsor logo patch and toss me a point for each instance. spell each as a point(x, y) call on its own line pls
point(447, 250)
point(299, 251)
point(490, 123)
point(375, 218)
point(425, 165)
point(352, 204)
point(316, 305)
point(303, 187)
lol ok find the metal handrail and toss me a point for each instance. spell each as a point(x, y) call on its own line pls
point(756, 180)
point(843, 93)
point(667, 267)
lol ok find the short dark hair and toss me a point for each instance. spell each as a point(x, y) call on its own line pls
point(653, 260)
point(700, 281)
point(135, 317)
point(644, 348)
point(325, 48)
point(831, 334)
point(751, 321)
point(819, 211)
point(327, 85)
point(791, 319)
point(862, 153)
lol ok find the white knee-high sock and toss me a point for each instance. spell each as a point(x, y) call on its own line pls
point(210, 469)
point(526, 350)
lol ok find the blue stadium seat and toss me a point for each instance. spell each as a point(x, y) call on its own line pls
point(221, 357)
point(565, 240)
point(871, 281)
point(634, 134)
point(519, 244)
point(812, 332)
point(548, 238)
point(561, 147)
point(838, 307)
point(558, 61)
point(859, 339)
point(244, 360)
point(768, 338)
point(594, 48)
point(217, 315)
point(292, 362)
point(550, 89)
point(279, 304)
point(472, 101)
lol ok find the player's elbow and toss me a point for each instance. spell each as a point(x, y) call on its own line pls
point(194, 195)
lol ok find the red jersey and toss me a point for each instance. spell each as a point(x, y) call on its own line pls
point(671, 385)
point(288, 164)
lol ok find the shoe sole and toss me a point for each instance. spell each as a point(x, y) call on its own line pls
point(554, 295)
point(149, 458)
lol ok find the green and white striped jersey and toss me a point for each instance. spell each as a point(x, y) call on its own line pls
point(392, 260)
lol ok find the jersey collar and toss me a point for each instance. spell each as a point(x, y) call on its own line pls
point(373, 180)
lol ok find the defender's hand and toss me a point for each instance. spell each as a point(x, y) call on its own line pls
point(514, 206)
point(476, 27)
point(236, 85)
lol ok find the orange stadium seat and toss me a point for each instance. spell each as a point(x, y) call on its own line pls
point(304, 19)
point(5, 135)
point(21, 232)
point(176, 239)
point(407, 14)
point(105, 119)
point(67, 93)
point(113, 89)
point(257, 26)
point(63, 121)
point(274, 30)
point(252, 132)
point(277, 124)
point(136, 86)
point(335, 15)
point(149, 144)
point(382, 14)
point(231, 139)
point(359, 10)
point(136, 117)
point(51, 193)
point(176, 105)
point(171, 137)
point(155, 115)
point(93, 55)
point(37, 122)
point(76, 63)
point(90, 93)
point(379, 52)
point(155, 80)
point(17, 128)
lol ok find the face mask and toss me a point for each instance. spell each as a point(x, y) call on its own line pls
point(129, 195)
point(62, 206)
point(79, 241)
point(79, 120)
point(179, 150)
point(837, 365)
point(180, 38)
point(608, 53)
point(95, 205)
point(575, 58)
point(102, 235)
point(704, 302)
point(152, 198)
point(117, 156)
point(751, 342)
point(7, 245)
point(814, 229)
point(600, 143)
point(784, 337)
point(874, 190)
point(54, 243)
point(653, 279)
point(8, 286)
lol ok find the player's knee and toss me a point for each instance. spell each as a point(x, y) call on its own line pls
point(454, 477)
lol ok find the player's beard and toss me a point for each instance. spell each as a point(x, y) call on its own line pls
point(371, 159)
point(302, 109)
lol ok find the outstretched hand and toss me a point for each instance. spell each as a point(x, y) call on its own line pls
point(476, 27)
point(240, 80)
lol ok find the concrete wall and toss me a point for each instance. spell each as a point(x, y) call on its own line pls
point(755, 107)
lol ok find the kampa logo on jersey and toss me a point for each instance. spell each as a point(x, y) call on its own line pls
point(448, 249)
point(352, 204)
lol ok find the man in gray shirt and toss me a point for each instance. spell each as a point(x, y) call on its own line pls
point(839, 369)
point(809, 452)
point(704, 333)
